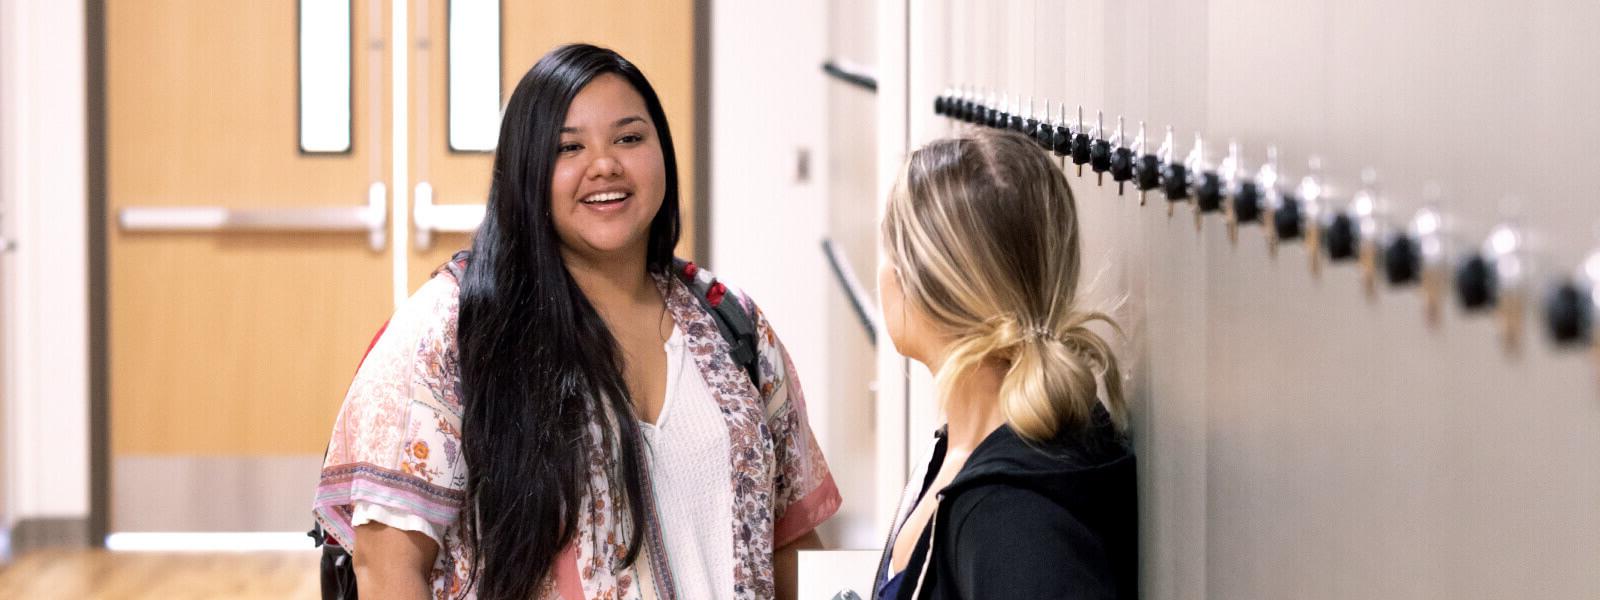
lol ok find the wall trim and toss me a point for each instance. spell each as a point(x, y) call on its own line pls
point(42, 175)
point(49, 532)
point(702, 132)
point(99, 362)
point(237, 493)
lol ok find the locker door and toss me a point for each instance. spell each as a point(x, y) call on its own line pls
point(230, 345)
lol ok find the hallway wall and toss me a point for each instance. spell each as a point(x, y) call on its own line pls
point(45, 278)
point(1297, 438)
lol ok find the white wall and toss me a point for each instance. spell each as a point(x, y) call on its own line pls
point(852, 209)
point(771, 102)
point(42, 187)
point(1297, 439)
point(766, 99)
point(766, 110)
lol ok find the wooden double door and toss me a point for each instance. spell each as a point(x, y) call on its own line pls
point(236, 310)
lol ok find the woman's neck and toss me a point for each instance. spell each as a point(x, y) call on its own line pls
point(611, 283)
point(973, 409)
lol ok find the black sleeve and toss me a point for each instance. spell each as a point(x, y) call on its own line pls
point(1013, 543)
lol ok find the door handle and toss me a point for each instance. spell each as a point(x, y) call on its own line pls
point(370, 219)
point(428, 218)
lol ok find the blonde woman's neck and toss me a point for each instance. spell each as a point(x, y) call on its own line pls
point(972, 410)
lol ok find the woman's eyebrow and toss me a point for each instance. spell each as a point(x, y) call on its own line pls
point(620, 122)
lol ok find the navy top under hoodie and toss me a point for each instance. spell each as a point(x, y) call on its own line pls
point(1029, 520)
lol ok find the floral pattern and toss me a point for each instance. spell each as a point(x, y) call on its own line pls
point(396, 443)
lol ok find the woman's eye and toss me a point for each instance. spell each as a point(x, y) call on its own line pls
point(569, 147)
point(631, 138)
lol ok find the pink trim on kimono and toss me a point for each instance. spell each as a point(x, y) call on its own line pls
point(807, 513)
point(568, 584)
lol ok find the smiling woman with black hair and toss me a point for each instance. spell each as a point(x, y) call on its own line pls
point(556, 415)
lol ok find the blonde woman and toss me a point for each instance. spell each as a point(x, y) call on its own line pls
point(1030, 490)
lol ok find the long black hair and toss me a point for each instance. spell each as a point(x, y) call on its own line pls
point(538, 364)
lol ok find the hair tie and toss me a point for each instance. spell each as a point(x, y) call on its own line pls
point(1039, 332)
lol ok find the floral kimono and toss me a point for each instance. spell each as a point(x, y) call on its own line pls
point(396, 445)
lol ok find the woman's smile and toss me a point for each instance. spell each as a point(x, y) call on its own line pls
point(606, 201)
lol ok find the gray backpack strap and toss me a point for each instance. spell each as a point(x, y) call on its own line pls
point(457, 267)
point(734, 322)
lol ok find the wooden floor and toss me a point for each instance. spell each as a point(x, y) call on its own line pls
point(50, 574)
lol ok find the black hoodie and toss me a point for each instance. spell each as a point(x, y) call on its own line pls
point(1030, 520)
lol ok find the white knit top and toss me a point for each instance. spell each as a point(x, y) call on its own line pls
point(690, 475)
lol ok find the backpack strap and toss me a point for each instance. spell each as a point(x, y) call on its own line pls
point(457, 267)
point(733, 320)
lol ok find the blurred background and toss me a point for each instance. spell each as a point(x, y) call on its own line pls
point(208, 208)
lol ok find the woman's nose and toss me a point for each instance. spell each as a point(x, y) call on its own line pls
point(605, 165)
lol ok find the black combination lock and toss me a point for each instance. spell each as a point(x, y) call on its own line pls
point(1286, 218)
point(1208, 191)
point(1476, 283)
point(1121, 166)
point(1061, 139)
point(1247, 203)
point(1030, 124)
point(1042, 133)
point(1569, 313)
point(1099, 150)
point(1174, 176)
point(1080, 144)
point(1147, 172)
point(1340, 237)
point(1402, 260)
point(1175, 181)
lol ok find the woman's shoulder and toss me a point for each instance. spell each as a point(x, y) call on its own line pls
point(439, 296)
point(1077, 474)
point(1036, 512)
point(1026, 544)
point(436, 302)
point(422, 328)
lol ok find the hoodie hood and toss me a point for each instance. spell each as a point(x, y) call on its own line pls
point(1074, 469)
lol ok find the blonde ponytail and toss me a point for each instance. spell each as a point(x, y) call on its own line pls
point(1053, 380)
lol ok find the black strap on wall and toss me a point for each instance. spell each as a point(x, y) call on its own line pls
point(853, 76)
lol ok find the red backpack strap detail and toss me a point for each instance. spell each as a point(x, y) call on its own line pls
point(456, 267)
point(372, 344)
point(715, 293)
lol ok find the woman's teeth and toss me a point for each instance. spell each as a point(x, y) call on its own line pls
point(604, 198)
